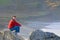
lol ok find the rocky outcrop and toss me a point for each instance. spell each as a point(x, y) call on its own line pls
point(35, 35)
point(7, 35)
point(40, 35)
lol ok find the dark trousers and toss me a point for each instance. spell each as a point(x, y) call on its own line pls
point(16, 29)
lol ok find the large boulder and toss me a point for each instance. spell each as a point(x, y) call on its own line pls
point(7, 35)
point(40, 35)
point(37, 35)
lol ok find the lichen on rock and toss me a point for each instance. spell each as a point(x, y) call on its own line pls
point(8, 35)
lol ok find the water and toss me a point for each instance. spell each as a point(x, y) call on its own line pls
point(29, 24)
point(27, 29)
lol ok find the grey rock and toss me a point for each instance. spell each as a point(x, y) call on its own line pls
point(7, 35)
point(40, 35)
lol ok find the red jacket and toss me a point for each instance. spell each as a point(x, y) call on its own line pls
point(13, 23)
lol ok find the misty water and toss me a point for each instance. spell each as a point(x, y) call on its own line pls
point(47, 23)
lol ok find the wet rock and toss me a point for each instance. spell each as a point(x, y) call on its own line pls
point(40, 35)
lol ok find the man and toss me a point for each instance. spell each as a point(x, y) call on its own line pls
point(14, 25)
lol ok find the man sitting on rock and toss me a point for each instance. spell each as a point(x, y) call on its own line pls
point(14, 25)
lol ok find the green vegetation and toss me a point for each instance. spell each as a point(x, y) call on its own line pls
point(4, 2)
